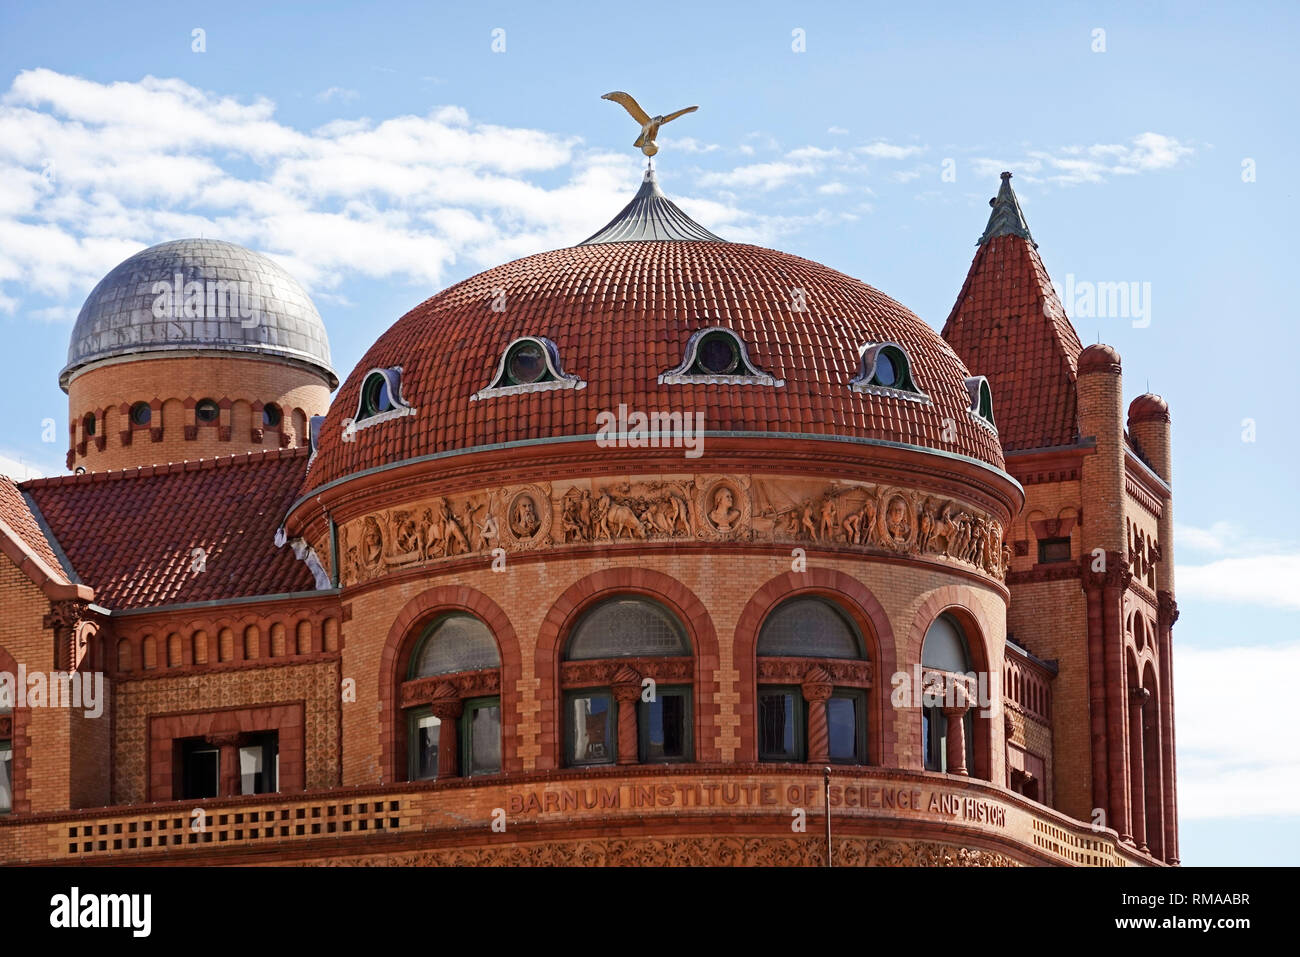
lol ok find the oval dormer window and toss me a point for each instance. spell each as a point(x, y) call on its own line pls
point(529, 364)
point(885, 369)
point(380, 399)
point(981, 401)
point(717, 356)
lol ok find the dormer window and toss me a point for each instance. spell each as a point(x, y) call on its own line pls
point(884, 369)
point(529, 364)
point(981, 401)
point(717, 356)
point(380, 399)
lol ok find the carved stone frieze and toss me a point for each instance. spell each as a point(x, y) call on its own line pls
point(468, 684)
point(583, 674)
point(853, 674)
point(692, 851)
point(713, 508)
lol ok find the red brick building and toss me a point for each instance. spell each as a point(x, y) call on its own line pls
point(598, 557)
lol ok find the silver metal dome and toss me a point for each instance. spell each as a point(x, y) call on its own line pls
point(199, 294)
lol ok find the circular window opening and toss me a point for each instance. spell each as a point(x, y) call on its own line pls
point(886, 370)
point(207, 410)
point(526, 363)
point(718, 354)
point(375, 398)
point(141, 413)
point(88, 423)
point(271, 415)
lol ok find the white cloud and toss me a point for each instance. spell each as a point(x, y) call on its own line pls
point(765, 176)
point(1070, 165)
point(1236, 756)
point(883, 150)
point(92, 172)
point(1267, 580)
point(337, 93)
point(837, 131)
point(832, 189)
point(19, 469)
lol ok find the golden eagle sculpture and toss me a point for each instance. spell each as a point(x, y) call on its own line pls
point(649, 124)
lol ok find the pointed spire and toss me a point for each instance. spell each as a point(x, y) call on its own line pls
point(1007, 219)
point(651, 216)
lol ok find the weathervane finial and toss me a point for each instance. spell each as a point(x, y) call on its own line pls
point(649, 124)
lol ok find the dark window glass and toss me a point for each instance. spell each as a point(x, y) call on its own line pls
point(271, 416)
point(1053, 550)
point(718, 354)
point(482, 746)
point(88, 423)
point(207, 411)
point(6, 778)
point(780, 735)
point(423, 735)
point(886, 374)
point(945, 648)
point(665, 726)
point(934, 739)
point(591, 728)
point(259, 763)
point(526, 363)
point(375, 396)
point(200, 770)
point(844, 719)
point(141, 413)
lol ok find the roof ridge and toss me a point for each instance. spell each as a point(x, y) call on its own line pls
point(170, 468)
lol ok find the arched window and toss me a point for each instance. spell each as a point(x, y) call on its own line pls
point(945, 661)
point(627, 676)
point(452, 698)
point(813, 678)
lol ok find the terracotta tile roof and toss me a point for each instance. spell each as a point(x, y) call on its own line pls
point(17, 516)
point(1009, 325)
point(621, 314)
point(131, 534)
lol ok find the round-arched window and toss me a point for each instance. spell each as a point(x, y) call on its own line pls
point(88, 424)
point(271, 415)
point(787, 711)
point(141, 413)
point(456, 642)
point(809, 628)
point(207, 410)
point(945, 647)
point(627, 628)
point(606, 693)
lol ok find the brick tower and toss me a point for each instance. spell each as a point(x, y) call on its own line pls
point(193, 349)
point(1092, 569)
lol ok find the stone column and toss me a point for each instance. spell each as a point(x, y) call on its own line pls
point(956, 738)
point(816, 690)
point(1168, 614)
point(228, 780)
point(627, 689)
point(447, 710)
point(1137, 774)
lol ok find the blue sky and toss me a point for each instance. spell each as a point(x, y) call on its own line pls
point(384, 152)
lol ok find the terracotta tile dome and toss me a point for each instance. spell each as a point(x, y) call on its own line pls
point(620, 314)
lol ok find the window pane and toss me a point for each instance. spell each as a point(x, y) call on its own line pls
point(484, 739)
point(591, 729)
point(425, 743)
point(808, 628)
point(201, 770)
point(665, 726)
point(934, 731)
point(259, 765)
point(627, 627)
point(945, 647)
point(456, 643)
point(842, 722)
point(6, 780)
point(776, 728)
